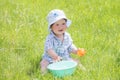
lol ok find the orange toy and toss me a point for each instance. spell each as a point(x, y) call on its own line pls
point(81, 52)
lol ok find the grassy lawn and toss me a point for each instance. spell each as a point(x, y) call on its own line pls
point(95, 27)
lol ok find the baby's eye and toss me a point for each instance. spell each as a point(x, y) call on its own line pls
point(57, 24)
point(63, 23)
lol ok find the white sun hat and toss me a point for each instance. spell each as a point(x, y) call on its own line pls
point(55, 15)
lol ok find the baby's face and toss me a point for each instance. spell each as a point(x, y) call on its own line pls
point(59, 27)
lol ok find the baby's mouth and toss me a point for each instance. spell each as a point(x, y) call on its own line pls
point(60, 30)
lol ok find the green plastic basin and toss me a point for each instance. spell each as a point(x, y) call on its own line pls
point(62, 68)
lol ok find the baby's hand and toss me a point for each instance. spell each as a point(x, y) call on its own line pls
point(81, 51)
point(58, 59)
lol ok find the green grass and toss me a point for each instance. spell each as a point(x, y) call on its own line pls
point(95, 27)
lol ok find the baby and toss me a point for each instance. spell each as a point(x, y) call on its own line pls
point(59, 44)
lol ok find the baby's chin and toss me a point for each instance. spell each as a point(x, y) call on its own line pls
point(60, 33)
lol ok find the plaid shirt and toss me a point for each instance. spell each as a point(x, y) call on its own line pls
point(62, 49)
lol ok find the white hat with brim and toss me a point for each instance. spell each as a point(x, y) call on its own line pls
point(55, 15)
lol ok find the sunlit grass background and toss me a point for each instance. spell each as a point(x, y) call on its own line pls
point(95, 27)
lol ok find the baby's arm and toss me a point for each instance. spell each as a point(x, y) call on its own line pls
point(74, 51)
point(53, 54)
point(49, 49)
point(78, 51)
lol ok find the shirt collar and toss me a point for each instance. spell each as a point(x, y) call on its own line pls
point(56, 36)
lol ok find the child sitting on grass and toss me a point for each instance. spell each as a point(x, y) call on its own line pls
point(58, 43)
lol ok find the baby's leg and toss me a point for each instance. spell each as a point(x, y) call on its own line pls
point(43, 64)
point(79, 64)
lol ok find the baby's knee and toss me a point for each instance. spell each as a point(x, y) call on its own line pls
point(44, 63)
